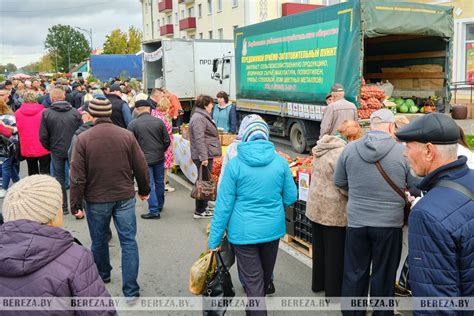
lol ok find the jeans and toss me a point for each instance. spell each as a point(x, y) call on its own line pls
point(379, 246)
point(157, 184)
point(59, 167)
point(10, 171)
point(39, 165)
point(51, 172)
point(98, 219)
point(256, 263)
point(202, 205)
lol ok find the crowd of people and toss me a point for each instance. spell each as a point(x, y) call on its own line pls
point(99, 142)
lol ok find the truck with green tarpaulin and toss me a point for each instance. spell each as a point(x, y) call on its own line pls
point(284, 68)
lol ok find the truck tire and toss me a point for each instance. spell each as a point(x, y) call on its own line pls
point(297, 138)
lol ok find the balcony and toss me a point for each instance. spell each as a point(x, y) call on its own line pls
point(165, 5)
point(166, 30)
point(188, 24)
point(186, 1)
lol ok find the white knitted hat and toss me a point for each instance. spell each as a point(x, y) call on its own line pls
point(37, 198)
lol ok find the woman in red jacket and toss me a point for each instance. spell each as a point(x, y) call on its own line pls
point(28, 120)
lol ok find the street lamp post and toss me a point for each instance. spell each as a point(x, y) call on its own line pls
point(88, 32)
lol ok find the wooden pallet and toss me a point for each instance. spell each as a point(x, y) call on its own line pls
point(300, 245)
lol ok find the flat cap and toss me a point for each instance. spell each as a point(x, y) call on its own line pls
point(337, 87)
point(435, 128)
point(142, 103)
point(382, 116)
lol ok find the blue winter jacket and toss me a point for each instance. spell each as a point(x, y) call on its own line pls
point(256, 189)
point(441, 236)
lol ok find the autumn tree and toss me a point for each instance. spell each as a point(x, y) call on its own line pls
point(7, 68)
point(66, 46)
point(118, 42)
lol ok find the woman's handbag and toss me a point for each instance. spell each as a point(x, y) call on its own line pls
point(219, 291)
point(204, 190)
point(407, 208)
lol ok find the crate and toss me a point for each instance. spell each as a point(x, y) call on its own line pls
point(290, 220)
point(299, 244)
point(303, 226)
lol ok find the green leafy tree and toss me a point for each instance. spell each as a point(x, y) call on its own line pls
point(118, 42)
point(67, 46)
point(115, 43)
point(8, 68)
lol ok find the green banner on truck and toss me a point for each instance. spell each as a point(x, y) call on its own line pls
point(297, 58)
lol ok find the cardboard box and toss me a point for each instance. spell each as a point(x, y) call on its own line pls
point(227, 139)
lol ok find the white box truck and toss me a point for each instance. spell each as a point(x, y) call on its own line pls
point(184, 67)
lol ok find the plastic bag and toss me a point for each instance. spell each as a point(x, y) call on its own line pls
point(200, 271)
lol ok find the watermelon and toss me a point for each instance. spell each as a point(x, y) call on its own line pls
point(399, 101)
point(409, 103)
point(414, 109)
point(391, 99)
point(403, 109)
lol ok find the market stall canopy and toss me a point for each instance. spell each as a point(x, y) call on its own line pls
point(20, 76)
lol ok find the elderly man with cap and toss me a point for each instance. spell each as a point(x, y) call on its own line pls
point(337, 111)
point(374, 210)
point(105, 161)
point(441, 224)
point(154, 140)
point(121, 113)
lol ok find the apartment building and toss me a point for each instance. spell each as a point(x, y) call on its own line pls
point(210, 19)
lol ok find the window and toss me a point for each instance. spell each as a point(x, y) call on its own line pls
point(199, 10)
point(331, 2)
point(200, 36)
point(221, 33)
point(210, 34)
point(169, 19)
point(191, 12)
point(176, 20)
point(163, 21)
point(209, 6)
point(182, 14)
point(469, 42)
point(191, 36)
point(219, 5)
point(235, 3)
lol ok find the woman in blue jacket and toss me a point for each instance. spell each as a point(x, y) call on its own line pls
point(255, 190)
point(224, 114)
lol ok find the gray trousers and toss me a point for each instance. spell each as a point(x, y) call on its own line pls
point(255, 264)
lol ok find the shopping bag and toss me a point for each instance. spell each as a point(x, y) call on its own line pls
point(219, 291)
point(204, 190)
point(200, 272)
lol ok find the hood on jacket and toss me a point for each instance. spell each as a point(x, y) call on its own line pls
point(31, 109)
point(84, 127)
point(326, 144)
point(27, 246)
point(374, 146)
point(257, 153)
point(61, 106)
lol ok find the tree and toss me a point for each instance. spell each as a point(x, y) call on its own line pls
point(118, 42)
point(115, 43)
point(4, 69)
point(66, 46)
point(134, 40)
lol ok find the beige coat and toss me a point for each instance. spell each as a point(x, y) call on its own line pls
point(335, 114)
point(326, 203)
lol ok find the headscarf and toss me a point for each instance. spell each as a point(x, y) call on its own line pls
point(245, 122)
point(256, 130)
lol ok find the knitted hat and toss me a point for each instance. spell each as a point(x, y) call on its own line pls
point(256, 130)
point(37, 198)
point(100, 108)
point(245, 123)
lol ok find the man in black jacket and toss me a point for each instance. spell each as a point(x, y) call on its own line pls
point(58, 125)
point(121, 114)
point(154, 140)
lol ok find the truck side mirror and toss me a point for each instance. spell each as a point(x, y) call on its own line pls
point(215, 62)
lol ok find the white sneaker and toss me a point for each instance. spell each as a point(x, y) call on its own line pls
point(169, 188)
point(3, 193)
point(205, 214)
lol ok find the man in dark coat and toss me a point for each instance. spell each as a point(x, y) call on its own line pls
point(121, 114)
point(105, 161)
point(58, 125)
point(154, 140)
point(441, 224)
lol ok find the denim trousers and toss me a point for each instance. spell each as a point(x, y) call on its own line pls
point(98, 217)
point(60, 174)
point(51, 168)
point(157, 184)
point(10, 171)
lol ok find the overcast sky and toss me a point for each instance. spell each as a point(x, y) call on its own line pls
point(24, 23)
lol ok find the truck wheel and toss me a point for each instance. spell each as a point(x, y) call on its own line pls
point(298, 141)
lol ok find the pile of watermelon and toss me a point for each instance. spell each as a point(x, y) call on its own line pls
point(405, 105)
point(371, 98)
